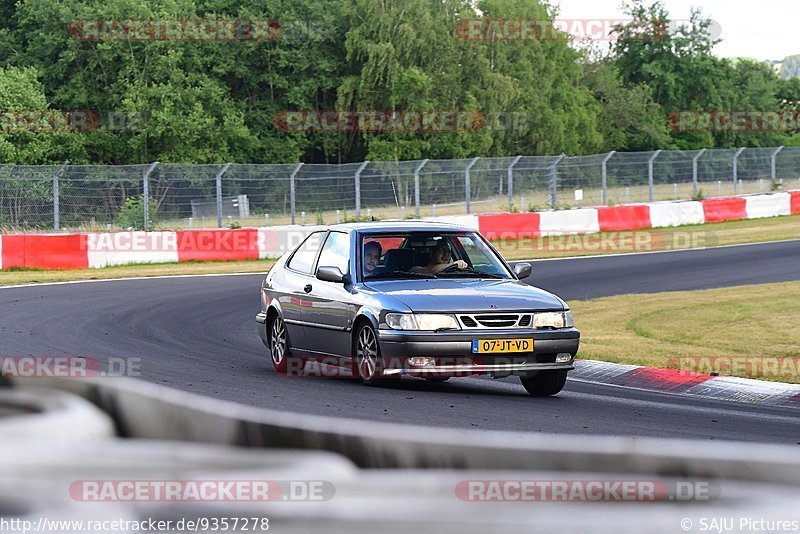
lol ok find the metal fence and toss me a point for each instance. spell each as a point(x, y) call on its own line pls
point(161, 195)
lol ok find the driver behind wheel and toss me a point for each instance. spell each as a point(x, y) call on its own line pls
point(372, 256)
point(440, 260)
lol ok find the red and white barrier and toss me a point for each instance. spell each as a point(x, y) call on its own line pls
point(125, 248)
point(81, 251)
point(795, 202)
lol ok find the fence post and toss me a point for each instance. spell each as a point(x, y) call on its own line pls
point(358, 188)
point(416, 186)
point(554, 181)
point(292, 190)
point(146, 194)
point(218, 179)
point(774, 168)
point(694, 171)
point(604, 192)
point(56, 222)
point(467, 184)
point(650, 178)
point(736, 170)
point(511, 181)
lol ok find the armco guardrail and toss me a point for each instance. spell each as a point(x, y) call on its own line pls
point(81, 251)
point(696, 480)
point(52, 415)
point(149, 411)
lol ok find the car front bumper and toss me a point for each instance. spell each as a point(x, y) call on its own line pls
point(452, 352)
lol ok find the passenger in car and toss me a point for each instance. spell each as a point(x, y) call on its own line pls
point(440, 260)
point(372, 255)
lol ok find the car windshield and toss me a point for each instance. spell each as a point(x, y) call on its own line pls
point(412, 255)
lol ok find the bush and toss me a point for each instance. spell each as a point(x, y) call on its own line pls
point(131, 215)
point(699, 195)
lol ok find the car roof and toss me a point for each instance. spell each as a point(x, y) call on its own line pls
point(401, 226)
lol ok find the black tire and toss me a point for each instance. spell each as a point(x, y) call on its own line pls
point(368, 363)
point(279, 348)
point(545, 383)
point(437, 378)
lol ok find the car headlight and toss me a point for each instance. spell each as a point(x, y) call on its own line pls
point(422, 321)
point(553, 320)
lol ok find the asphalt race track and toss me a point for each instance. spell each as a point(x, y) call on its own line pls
point(199, 334)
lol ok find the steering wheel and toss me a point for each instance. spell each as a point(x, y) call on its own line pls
point(450, 268)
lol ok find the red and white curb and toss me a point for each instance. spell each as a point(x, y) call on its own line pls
point(681, 382)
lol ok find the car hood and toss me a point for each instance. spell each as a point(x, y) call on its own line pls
point(467, 295)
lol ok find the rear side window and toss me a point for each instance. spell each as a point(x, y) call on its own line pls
point(336, 252)
point(303, 259)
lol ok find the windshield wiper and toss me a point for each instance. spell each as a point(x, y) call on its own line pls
point(474, 272)
point(398, 274)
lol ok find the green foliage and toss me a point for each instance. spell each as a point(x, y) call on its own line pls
point(699, 195)
point(131, 214)
point(216, 101)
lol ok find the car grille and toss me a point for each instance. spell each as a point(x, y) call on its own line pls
point(496, 320)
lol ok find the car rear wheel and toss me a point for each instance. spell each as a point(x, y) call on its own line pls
point(545, 383)
point(369, 363)
point(282, 359)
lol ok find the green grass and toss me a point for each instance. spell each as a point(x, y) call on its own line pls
point(15, 275)
point(698, 330)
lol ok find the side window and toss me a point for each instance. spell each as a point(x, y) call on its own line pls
point(303, 259)
point(336, 252)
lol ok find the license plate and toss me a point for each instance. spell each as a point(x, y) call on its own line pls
point(482, 346)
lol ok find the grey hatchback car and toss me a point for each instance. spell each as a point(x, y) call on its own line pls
point(430, 300)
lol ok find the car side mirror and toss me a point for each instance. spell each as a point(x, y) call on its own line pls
point(523, 270)
point(327, 273)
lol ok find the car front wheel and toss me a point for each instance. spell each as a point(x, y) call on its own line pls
point(545, 383)
point(369, 363)
point(282, 359)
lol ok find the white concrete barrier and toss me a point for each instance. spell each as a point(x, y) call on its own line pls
point(563, 222)
point(470, 221)
point(772, 205)
point(666, 214)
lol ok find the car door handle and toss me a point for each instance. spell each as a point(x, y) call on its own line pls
point(307, 289)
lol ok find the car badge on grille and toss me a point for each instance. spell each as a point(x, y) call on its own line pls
point(493, 306)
